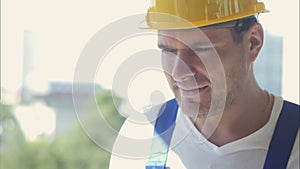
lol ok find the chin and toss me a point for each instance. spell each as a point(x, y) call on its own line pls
point(194, 109)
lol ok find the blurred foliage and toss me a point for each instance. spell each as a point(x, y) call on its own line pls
point(11, 138)
point(106, 104)
point(74, 150)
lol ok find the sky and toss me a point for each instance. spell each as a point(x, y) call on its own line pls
point(62, 28)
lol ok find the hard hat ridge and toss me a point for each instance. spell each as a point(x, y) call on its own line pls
point(183, 14)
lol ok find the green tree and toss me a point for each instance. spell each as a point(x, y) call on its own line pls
point(74, 150)
point(11, 138)
point(77, 150)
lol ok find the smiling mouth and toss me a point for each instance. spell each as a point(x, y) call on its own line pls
point(193, 92)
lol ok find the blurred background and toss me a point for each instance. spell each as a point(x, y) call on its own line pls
point(40, 44)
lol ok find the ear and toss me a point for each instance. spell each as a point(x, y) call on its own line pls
point(254, 38)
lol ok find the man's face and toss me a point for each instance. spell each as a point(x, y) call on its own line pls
point(185, 54)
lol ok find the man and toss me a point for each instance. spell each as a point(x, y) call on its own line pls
point(224, 120)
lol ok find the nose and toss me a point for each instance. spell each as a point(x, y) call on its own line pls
point(183, 66)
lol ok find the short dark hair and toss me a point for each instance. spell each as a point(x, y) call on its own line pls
point(241, 26)
point(238, 27)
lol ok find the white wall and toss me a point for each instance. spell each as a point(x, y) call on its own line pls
point(283, 20)
point(62, 27)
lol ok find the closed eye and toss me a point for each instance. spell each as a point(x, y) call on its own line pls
point(203, 49)
point(168, 50)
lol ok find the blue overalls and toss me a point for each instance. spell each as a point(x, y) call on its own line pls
point(280, 147)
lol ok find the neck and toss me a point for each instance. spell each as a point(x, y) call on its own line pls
point(249, 111)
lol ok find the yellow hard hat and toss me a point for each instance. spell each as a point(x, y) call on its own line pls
point(180, 14)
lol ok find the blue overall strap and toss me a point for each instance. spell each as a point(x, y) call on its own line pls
point(283, 137)
point(163, 131)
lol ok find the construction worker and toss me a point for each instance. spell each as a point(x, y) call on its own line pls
point(221, 118)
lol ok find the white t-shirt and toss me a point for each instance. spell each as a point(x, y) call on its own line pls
point(190, 150)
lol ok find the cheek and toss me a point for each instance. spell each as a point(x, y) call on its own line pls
point(169, 78)
point(167, 68)
point(167, 64)
point(172, 85)
point(234, 66)
point(232, 60)
point(236, 74)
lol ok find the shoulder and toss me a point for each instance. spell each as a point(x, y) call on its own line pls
point(292, 114)
point(290, 106)
point(280, 102)
point(281, 105)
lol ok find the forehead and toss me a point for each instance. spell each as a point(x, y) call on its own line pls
point(190, 37)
